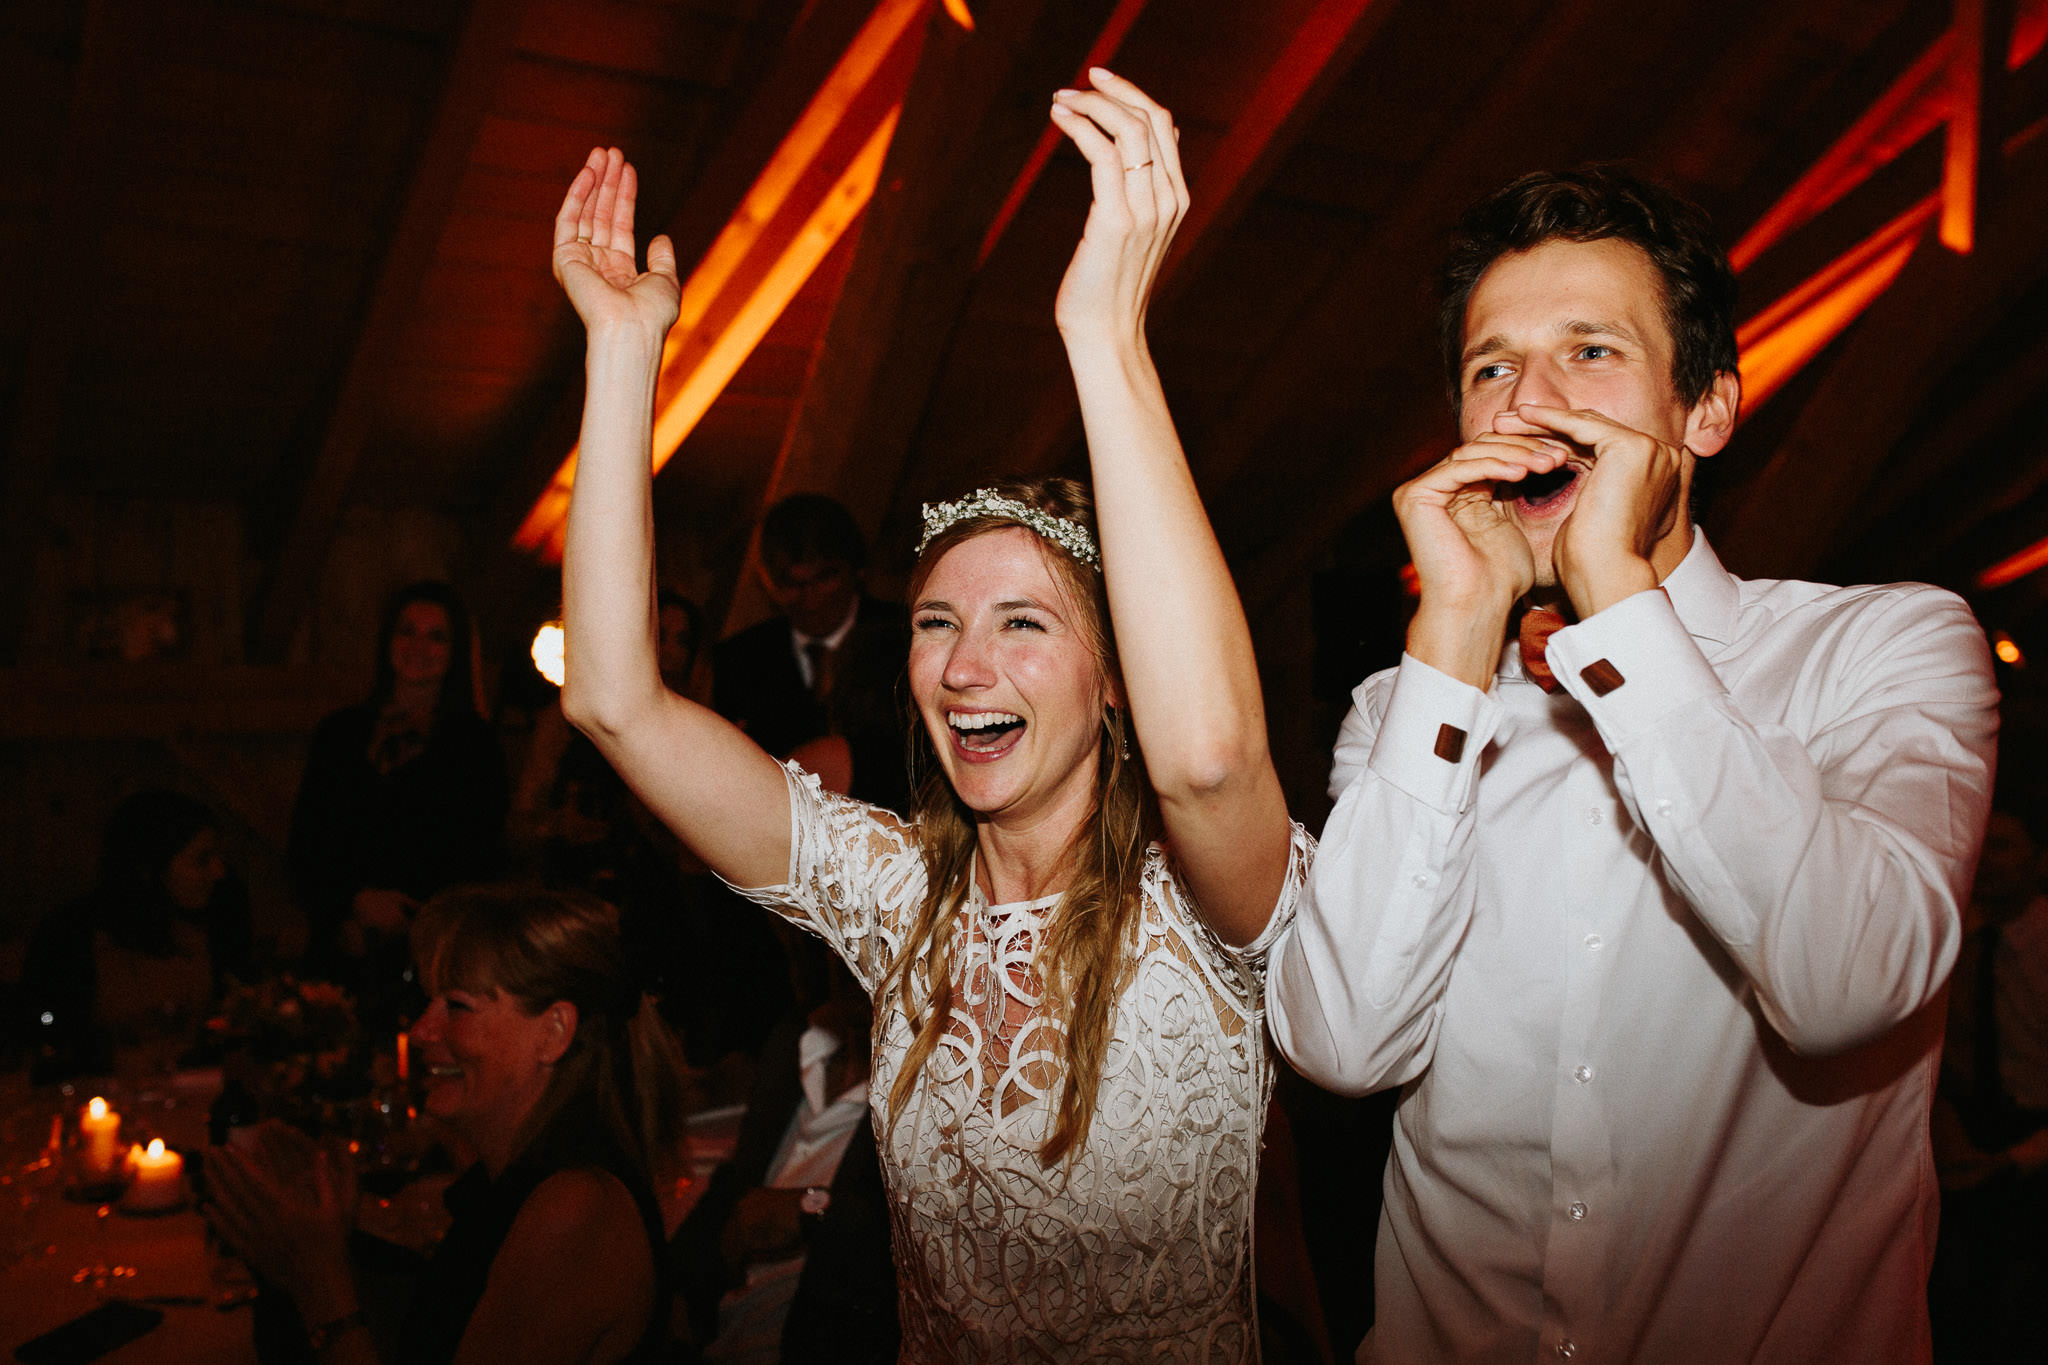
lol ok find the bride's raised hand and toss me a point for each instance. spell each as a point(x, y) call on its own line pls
point(1140, 197)
point(594, 257)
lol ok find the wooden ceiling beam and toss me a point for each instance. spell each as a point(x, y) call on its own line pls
point(1293, 375)
point(1292, 87)
point(1978, 39)
point(1792, 511)
point(1918, 516)
point(480, 49)
point(1332, 344)
point(973, 112)
point(809, 49)
point(64, 257)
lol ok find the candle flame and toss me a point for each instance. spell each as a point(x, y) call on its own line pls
point(98, 1107)
point(156, 1149)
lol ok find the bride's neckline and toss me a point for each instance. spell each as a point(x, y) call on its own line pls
point(1004, 907)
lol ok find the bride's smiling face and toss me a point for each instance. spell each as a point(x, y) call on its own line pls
point(1006, 678)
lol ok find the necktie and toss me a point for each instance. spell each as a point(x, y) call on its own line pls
point(1538, 625)
point(820, 656)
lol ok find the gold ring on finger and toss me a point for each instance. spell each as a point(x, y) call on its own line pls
point(1139, 167)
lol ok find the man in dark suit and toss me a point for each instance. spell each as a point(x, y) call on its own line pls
point(830, 663)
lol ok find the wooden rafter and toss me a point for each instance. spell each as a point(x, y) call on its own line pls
point(973, 112)
point(1977, 43)
point(1914, 105)
point(479, 52)
point(1880, 378)
point(804, 58)
point(1289, 91)
point(811, 190)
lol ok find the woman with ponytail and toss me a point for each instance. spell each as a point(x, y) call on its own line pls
point(1066, 940)
point(542, 1054)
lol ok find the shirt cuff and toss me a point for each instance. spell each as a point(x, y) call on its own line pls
point(1631, 665)
point(1434, 731)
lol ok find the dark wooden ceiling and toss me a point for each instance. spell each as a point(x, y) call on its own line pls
point(289, 257)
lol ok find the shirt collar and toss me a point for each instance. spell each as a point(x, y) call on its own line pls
point(1703, 593)
point(835, 639)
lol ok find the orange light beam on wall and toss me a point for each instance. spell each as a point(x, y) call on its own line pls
point(802, 146)
point(679, 414)
point(1912, 107)
point(1970, 83)
point(1777, 343)
point(1106, 44)
point(770, 195)
point(2034, 557)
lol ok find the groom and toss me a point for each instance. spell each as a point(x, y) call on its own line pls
point(1648, 929)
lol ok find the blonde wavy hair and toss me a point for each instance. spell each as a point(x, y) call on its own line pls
point(1088, 953)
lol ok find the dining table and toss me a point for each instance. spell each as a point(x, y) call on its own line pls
point(63, 1255)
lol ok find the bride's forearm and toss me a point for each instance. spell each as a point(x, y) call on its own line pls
point(608, 558)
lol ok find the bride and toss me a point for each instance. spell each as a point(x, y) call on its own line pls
point(1066, 942)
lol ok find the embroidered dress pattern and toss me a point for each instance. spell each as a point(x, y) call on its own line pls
point(1139, 1246)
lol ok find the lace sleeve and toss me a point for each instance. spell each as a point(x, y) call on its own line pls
point(855, 876)
point(1241, 970)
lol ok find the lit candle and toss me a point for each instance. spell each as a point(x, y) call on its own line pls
point(404, 1048)
point(99, 1130)
point(159, 1178)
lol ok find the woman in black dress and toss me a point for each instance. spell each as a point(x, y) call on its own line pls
point(541, 1053)
point(403, 796)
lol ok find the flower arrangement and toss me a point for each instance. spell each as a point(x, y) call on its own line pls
point(302, 1037)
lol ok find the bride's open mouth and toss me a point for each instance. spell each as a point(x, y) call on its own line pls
point(984, 734)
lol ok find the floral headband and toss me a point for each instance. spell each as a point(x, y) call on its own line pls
point(1070, 536)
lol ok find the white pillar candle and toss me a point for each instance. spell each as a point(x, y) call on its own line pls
point(99, 1132)
point(159, 1178)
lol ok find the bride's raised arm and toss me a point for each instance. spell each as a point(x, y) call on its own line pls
point(698, 773)
point(1186, 651)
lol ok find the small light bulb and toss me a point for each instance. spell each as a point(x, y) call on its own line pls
point(2007, 650)
point(549, 653)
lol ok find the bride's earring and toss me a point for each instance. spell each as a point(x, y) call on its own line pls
point(1119, 727)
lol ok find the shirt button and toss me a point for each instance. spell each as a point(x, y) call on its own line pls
point(1593, 943)
point(1582, 1073)
point(1421, 880)
point(1577, 1211)
point(1567, 1348)
point(1593, 816)
point(1664, 807)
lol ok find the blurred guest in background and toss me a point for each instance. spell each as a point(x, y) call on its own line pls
point(148, 949)
point(776, 680)
point(543, 1055)
point(574, 822)
point(786, 1255)
point(1989, 1296)
point(722, 977)
point(403, 796)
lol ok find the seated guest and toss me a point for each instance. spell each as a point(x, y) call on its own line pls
point(543, 1056)
point(786, 1255)
point(403, 795)
point(148, 949)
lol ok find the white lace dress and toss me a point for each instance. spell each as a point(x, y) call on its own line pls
point(1137, 1249)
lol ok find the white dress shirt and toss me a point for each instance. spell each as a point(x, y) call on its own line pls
point(1655, 969)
